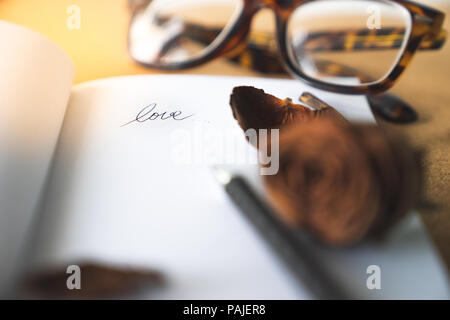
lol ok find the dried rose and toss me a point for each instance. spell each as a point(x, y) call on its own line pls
point(343, 183)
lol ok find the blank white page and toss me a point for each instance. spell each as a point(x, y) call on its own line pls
point(35, 82)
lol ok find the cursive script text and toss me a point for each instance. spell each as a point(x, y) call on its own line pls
point(149, 113)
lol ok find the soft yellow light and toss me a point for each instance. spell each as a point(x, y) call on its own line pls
point(98, 48)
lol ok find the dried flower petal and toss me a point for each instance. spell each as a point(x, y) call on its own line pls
point(97, 282)
point(255, 109)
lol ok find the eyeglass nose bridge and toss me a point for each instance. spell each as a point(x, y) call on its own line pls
point(237, 39)
point(280, 8)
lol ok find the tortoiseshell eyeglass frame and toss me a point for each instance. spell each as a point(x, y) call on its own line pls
point(426, 33)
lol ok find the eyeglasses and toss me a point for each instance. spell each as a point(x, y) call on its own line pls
point(345, 46)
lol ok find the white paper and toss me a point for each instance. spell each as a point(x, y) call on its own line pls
point(118, 195)
point(35, 83)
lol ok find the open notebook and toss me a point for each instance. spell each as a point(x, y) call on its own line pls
point(78, 184)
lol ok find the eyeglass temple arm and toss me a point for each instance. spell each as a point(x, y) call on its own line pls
point(434, 41)
point(260, 51)
point(436, 22)
point(365, 39)
point(351, 40)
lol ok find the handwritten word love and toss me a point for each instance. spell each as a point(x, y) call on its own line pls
point(149, 113)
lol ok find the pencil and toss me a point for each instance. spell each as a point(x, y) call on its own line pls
point(290, 248)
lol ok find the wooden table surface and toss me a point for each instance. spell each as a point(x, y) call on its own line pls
point(98, 50)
